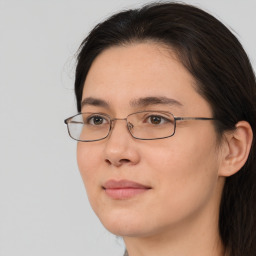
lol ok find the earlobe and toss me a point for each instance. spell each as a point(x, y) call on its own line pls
point(236, 149)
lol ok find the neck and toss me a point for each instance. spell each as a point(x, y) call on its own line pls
point(191, 243)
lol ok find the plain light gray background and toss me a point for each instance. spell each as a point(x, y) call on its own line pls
point(43, 204)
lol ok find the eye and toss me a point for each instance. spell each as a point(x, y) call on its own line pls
point(156, 119)
point(96, 120)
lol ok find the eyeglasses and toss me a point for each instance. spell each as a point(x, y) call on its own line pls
point(143, 125)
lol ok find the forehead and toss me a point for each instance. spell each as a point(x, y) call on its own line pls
point(140, 64)
point(122, 74)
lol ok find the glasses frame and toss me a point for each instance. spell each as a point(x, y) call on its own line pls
point(66, 121)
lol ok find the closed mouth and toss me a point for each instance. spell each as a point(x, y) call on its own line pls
point(124, 189)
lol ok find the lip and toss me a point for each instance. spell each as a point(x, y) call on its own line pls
point(124, 189)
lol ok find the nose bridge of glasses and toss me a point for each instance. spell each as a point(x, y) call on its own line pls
point(129, 125)
point(114, 119)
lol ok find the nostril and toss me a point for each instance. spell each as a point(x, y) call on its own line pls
point(124, 161)
point(108, 162)
point(117, 163)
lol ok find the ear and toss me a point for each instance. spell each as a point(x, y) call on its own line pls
point(235, 149)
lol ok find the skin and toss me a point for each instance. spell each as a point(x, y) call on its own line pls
point(179, 214)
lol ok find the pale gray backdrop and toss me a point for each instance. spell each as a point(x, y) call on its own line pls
point(43, 205)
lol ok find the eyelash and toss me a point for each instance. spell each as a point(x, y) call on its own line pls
point(164, 119)
point(145, 119)
point(91, 118)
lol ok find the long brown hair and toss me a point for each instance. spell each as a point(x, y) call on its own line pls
point(225, 78)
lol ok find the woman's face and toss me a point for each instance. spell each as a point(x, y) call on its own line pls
point(177, 176)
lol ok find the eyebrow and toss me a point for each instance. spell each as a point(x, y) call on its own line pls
point(94, 102)
point(141, 102)
point(147, 101)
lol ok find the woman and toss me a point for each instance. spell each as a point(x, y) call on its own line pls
point(166, 102)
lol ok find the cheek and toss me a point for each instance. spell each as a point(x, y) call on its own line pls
point(88, 160)
point(186, 155)
point(186, 176)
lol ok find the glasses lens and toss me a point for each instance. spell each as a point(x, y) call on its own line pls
point(89, 126)
point(151, 124)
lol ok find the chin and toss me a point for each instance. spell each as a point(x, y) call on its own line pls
point(127, 231)
point(123, 225)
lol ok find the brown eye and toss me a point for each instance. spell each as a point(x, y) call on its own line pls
point(155, 119)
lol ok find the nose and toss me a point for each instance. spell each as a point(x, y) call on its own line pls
point(121, 148)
